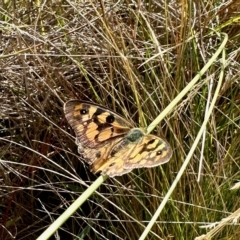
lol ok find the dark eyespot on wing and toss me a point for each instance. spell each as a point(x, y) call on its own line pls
point(159, 152)
point(110, 119)
point(83, 111)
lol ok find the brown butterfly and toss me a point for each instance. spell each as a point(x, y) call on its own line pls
point(109, 143)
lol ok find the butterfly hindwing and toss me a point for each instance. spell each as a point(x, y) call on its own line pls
point(147, 151)
point(151, 151)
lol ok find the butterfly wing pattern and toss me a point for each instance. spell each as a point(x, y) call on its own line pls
point(109, 143)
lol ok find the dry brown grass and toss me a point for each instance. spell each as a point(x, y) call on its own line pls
point(134, 59)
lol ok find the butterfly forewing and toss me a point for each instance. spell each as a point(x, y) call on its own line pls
point(94, 125)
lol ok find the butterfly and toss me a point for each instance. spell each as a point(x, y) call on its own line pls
point(109, 143)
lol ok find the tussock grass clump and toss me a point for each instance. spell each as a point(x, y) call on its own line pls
point(134, 58)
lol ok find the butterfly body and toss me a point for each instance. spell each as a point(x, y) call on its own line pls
point(110, 143)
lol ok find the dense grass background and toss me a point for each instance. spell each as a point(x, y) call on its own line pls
point(133, 57)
